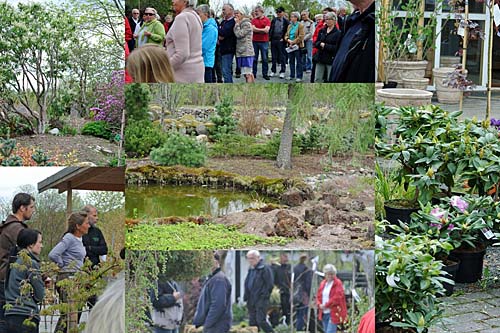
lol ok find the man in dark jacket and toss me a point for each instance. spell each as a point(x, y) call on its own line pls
point(258, 287)
point(227, 42)
point(133, 20)
point(23, 207)
point(213, 311)
point(282, 277)
point(277, 33)
point(302, 290)
point(94, 241)
point(355, 58)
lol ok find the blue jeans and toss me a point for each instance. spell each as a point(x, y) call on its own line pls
point(307, 58)
point(164, 330)
point(262, 47)
point(328, 326)
point(301, 317)
point(227, 67)
point(293, 57)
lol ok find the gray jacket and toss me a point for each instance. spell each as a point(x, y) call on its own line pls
point(27, 304)
point(309, 27)
point(243, 32)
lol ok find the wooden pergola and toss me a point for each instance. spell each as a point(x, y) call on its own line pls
point(84, 178)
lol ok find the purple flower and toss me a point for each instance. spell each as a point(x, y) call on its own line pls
point(438, 213)
point(451, 227)
point(459, 203)
point(437, 225)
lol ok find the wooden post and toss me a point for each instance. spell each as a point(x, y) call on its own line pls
point(465, 44)
point(69, 200)
point(384, 10)
point(490, 62)
point(420, 27)
point(122, 131)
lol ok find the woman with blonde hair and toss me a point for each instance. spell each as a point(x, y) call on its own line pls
point(184, 46)
point(150, 64)
point(295, 40)
point(244, 47)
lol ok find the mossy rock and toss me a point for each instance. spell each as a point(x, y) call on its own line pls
point(179, 175)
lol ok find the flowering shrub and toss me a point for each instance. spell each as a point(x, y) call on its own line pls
point(110, 101)
point(459, 220)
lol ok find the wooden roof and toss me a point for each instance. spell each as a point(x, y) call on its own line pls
point(86, 178)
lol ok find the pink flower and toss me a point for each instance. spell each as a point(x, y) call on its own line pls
point(438, 213)
point(437, 225)
point(451, 227)
point(459, 203)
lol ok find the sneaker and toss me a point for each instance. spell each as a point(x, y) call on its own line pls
point(289, 78)
point(298, 80)
point(282, 75)
point(272, 74)
point(266, 77)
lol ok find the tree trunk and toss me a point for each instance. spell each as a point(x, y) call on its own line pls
point(284, 159)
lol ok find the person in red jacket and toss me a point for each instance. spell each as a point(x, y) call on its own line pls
point(128, 37)
point(367, 323)
point(330, 299)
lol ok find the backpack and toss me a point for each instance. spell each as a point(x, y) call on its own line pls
point(169, 318)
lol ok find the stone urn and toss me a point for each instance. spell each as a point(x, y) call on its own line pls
point(449, 61)
point(397, 70)
point(420, 83)
point(403, 97)
point(445, 94)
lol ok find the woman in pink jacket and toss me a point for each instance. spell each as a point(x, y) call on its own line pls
point(330, 299)
point(183, 43)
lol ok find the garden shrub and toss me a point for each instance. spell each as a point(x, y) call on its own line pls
point(110, 101)
point(68, 130)
point(141, 137)
point(234, 145)
point(98, 129)
point(270, 148)
point(180, 149)
point(223, 120)
point(137, 98)
point(313, 139)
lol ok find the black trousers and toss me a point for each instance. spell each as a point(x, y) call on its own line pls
point(285, 306)
point(15, 324)
point(278, 55)
point(257, 314)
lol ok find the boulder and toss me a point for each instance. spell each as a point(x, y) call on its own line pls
point(202, 138)
point(287, 225)
point(292, 198)
point(201, 129)
point(54, 131)
point(330, 199)
point(317, 215)
point(357, 205)
point(265, 132)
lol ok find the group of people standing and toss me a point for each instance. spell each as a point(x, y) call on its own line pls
point(195, 46)
point(21, 245)
point(213, 310)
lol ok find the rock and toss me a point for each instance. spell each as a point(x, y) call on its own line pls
point(276, 131)
point(330, 199)
point(292, 198)
point(201, 129)
point(287, 225)
point(317, 215)
point(202, 138)
point(106, 151)
point(266, 132)
point(357, 205)
point(54, 131)
point(84, 164)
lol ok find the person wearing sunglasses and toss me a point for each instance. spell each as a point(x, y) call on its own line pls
point(152, 30)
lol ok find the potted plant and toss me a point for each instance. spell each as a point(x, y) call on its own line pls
point(463, 222)
point(408, 280)
point(404, 41)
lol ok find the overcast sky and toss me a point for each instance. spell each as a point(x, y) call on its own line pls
point(13, 177)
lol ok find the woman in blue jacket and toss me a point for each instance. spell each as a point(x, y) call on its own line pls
point(209, 38)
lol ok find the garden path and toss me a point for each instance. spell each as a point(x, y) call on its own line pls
point(475, 105)
point(471, 312)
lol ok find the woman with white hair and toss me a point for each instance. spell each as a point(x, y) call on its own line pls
point(330, 299)
point(151, 31)
point(295, 40)
point(184, 43)
point(326, 45)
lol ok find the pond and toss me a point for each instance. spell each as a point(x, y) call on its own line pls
point(170, 200)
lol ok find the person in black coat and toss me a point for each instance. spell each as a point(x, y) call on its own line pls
point(302, 287)
point(227, 42)
point(259, 284)
point(282, 277)
point(213, 311)
point(133, 20)
point(355, 58)
point(167, 304)
point(326, 44)
point(277, 31)
point(94, 242)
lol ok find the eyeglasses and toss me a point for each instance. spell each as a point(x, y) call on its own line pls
point(149, 14)
point(135, 13)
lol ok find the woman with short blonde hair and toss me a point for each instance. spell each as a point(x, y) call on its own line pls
point(150, 64)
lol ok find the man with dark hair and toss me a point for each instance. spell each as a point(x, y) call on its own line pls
point(213, 311)
point(355, 58)
point(258, 286)
point(94, 241)
point(282, 278)
point(23, 207)
point(227, 42)
point(260, 40)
